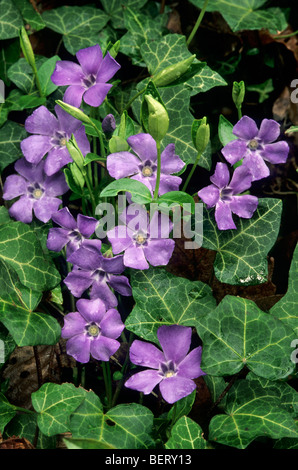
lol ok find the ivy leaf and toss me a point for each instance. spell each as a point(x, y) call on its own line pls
point(139, 192)
point(172, 49)
point(164, 299)
point(54, 404)
point(78, 25)
point(115, 10)
point(123, 427)
point(182, 407)
point(7, 412)
point(11, 134)
point(30, 15)
point(186, 434)
point(286, 308)
point(252, 411)
point(21, 74)
point(86, 444)
point(263, 89)
point(241, 254)
point(9, 54)
point(21, 250)
point(238, 333)
point(24, 425)
point(10, 20)
point(246, 14)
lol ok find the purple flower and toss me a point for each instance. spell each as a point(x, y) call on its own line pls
point(255, 146)
point(92, 330)
point(72, 232)
point(50, 137)
point(87, 80)
point(223, 195)
point(92, 269)
point(37, 190)
point(172, 368)
point(143, 240)
point(142, 166)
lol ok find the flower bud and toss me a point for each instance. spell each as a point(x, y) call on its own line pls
point(108, 124)
point(158, 119)
point(75, 112)
point(238, 93)
point(115, 49)
point(200, 134)
point(172, 72)
point(27, 48)
point(76, 153)
point(117, 144)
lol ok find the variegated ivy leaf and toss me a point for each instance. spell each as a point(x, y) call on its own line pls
point(237, 334)
point(31, 17)
point(186, 434)
point(242, 254)
point(126, 426)
point(247, 14)
point(10, 20)
point(164, 299)
point(115, 10)
point(80, 26)
point(252, 411)
point(54, 404)
point(286, 309)
point(11, 134)
point(7, 412)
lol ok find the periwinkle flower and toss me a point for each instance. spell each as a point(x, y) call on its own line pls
point(143, 165)
point(38, 192)
point(173, 368)
point(144, 240)
point(50, 137)
point(86, 81)
point(256, 146)
point(93, 269)
point(72, 232)
point(92, 330)
point(223, 194)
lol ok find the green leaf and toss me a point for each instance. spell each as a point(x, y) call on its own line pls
point(10, 20)
point(164, 299)
point(21, 250)
point(225, 130)
point(44, 74)
point(172, 49)
point(86, 444)
point(177, 198)
point(21, 74)
point(216, 386)
point(239, 334)
point(9, 54)
point(115, 10)
point(4, 216)
point(7, 412)
point(252, 411)
point(286, 309)
point(182, 407)
point(80, 26)
point(123, 427)
point(246, 14)
point(263, 89)
point(186, 434)
point(54, 404)
point(7, 341)
point(24, 425)
point(241, 254)
point(30, 15)
point(11, 134)
point(139, 192)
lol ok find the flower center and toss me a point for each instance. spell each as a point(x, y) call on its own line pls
point(93, 330)
point(167, 369)
point(37, 193)
point(226, 194)
point(140, 238)
point(169, 373)
point(253, 144)
point(63, 141)
point(75, 236)
point(89, 80)
point(147, 171)
point(59, 139)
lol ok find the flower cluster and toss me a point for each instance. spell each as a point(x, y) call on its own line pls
point(253, 147)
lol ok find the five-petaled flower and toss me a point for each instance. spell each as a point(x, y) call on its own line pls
point(142, 239)
point(38, 192)
point(256, 146)
point(173, 368)
point(223, 194)
point(72, 232)
point(143, 166)
point(50, 137)
point(92, 330)
point(87, 80)
point(93, 269)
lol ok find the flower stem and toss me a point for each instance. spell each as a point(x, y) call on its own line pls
point(156, 189)
point(191, 172)
point(198, 22)
point(133, 98)
point(284, 36)
point(108, 382)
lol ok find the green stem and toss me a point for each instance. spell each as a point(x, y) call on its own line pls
point(239, 110)
point(133, 98)
point(108, 382)
point(198, 22)
point(90, 190)
point(18, 408)
point(155, 195)
point(191, 172)
point(37, 81)
point(284, 36)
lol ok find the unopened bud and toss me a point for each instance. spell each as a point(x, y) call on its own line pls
point(238, 93)
point(172, 72)
point(76, 153)
point(26, 47)
point(115, 49)
point(202, 136)
point(117, 144)
point(75, 112)
point(108, 124)
point(158, 119)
